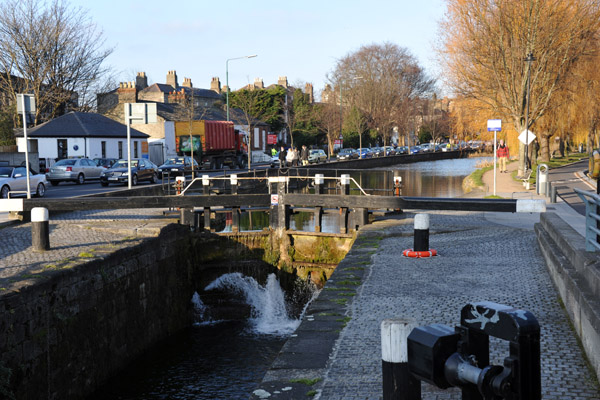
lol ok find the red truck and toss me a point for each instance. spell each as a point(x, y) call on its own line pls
point(215, 143)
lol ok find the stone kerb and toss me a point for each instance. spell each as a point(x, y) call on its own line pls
point(576, 274)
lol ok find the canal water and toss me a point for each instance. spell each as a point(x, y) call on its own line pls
point(227, 359)
point(441, 178)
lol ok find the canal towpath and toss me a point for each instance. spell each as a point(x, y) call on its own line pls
point(483, 256)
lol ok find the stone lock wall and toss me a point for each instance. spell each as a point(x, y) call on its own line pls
point(62, 337)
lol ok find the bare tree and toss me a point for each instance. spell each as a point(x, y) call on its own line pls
point(328, 122)
point(485, 43)
point(52, 51)
point(378, 79)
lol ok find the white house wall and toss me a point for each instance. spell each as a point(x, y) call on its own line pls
point(80, 147)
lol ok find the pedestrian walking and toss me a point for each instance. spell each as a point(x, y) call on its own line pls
point(295, 157)
point(282, 156)
point(304, 155)
point(273, 151)
point(289, 157)
point(503, 155)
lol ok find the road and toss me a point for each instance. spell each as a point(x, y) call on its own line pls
point(568, 176)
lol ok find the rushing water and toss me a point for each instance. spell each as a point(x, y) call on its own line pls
point(212, 359)
point(227, 359)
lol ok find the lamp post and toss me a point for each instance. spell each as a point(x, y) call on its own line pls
point(227, 78)
point(529, 59)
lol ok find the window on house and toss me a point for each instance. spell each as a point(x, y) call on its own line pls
point(62, 150)
point(103, 146)
point(120, 149)
point(135, 149)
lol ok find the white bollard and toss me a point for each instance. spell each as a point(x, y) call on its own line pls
point(40, 229)
point(398, 382)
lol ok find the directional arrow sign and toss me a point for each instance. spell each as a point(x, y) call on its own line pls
point(527, 140)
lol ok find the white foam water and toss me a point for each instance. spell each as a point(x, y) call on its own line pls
point(269, 313)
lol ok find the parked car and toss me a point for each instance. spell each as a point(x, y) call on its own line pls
point(347, 154)
point(389, 151)
point(141, 170)
point(416, 149)
point(448, 147)
point(365, 152)
point(275, 160)
point(14, 179)
point(402, 150)
point(77, 170)
point(105, 162)
point(316, 156)
point(377, 151)
point(181, 165)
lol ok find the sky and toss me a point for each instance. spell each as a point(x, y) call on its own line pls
point(300, 39)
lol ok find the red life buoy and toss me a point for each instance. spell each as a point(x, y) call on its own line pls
point(419, 254)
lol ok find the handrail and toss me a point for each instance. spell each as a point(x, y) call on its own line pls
point(591, 219)
point(227, 178)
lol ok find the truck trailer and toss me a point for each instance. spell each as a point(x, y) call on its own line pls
point(213, 144)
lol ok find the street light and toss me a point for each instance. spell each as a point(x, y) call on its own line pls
point(529, 59)
point(227, 78)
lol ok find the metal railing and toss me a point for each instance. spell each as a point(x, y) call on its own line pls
point(592, 219)
point(205, 180)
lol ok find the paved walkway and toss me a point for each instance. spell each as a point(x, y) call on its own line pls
point(508, 188)
point(74, 237)
point(482, 257)
point(479, 261)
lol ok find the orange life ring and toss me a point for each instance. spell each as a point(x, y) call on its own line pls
point(419, 254)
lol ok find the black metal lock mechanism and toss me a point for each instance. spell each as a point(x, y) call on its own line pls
point(460, 357)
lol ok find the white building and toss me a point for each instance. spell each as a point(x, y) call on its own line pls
point(78, 134)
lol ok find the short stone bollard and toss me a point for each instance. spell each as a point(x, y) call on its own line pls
point(421, 239)
point(40, 229)
point(398, 382)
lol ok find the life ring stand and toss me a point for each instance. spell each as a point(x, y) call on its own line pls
point(419, 254)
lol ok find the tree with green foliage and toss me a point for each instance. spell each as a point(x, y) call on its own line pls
point(355, 124)
point(258, 105)
point(299, 115)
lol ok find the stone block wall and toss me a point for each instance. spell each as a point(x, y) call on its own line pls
point(576, 275)
point(64, 336)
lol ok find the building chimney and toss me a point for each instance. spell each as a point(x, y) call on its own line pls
point(258, 83)
point(141, 81)
point(308, 89)
point(215, 84)
point(127, 92)
point(282, 81)
point(172, 79)
point(187, 82)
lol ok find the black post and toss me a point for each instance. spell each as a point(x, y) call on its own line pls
point(40, 229)
point(345, 182)
point(343, 220)
point(234, 184)
point(205, 185)
point(421, 232)
point(319, 182)
point(398, 382)
point(318, 218)
point(207, 218)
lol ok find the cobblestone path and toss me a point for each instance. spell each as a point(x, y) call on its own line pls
point(73, 236)
point(478, 261)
